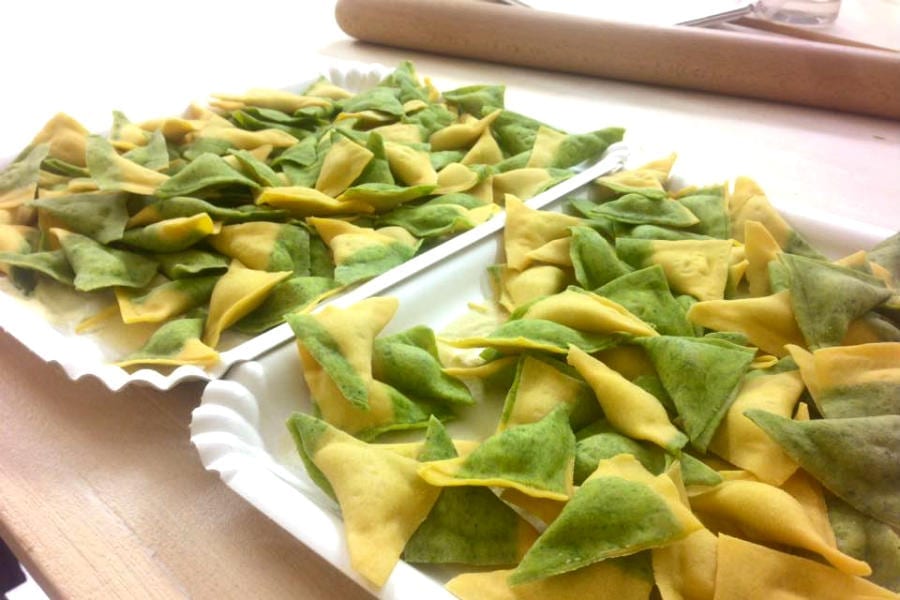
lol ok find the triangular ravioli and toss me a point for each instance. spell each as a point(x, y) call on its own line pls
point(626, 578)
point(467, 525)
point(629, 408)
point(767, 321)
point(378, 525)
point(856, 458)
point(748, 570)
point(235, 295)
point(619, 510)
point(535, 458)
point(742, 443)
point(701, 375)
point(827, 297)
point(768, 514)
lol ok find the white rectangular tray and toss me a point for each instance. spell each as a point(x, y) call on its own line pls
point(239, 427)
point(46, 325)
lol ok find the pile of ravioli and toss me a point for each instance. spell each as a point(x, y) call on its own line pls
point(685, 399)
point(262, 204)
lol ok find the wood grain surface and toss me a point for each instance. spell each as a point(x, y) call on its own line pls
point(816, 74)
point(103, 496)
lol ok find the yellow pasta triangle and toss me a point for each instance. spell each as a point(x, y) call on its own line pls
point(242, 138)
point(556, 252)
point(235, 295)
point(686, 569)
point(528, 229)
point(546, 144)
point(455, 177)
point(628, 407)
point(615, 579)
point(648, 179)
point(282, 100)
point(251, 243)
point(67, 139)
point(540, 386)
point(808, 492)
point(343, 163)
point(853, 381)
point(748, 570)
point(586, 311)
point(485, 151)
point(305, 201)
point(383, 500)
point(463, 134)
point(768, 514)
point(741, 442)
point(517, 288)
point(767, 321)
point(695, 267)
point(521, 183)
point(411, 166)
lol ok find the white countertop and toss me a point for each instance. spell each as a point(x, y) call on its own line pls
point(89, 58)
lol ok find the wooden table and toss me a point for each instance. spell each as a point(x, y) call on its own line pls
point(102, 494)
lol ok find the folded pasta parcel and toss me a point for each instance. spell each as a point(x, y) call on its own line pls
point(337, 348)
point(382, 499)
point(619, 510)
point(537, 459)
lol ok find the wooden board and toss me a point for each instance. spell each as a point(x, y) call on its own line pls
point(103, 496)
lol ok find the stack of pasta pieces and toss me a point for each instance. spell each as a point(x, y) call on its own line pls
point(684, 396)
point(264, 203)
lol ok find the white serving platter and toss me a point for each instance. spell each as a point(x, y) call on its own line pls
point(239, 427)
point(45, 322)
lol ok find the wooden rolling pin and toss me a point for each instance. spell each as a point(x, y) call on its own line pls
point(857, 80)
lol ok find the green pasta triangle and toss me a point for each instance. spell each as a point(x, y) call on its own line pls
point(97, 266)
point(827, 297)
point(203, 175)
point(702, 376)
point(867, 539)
point(535, 458)
point(520, 335)
point(372, 260)
point(638, 209)
point(619, 510)
point(429, 220)
point(855, 458)
point(24, 172)
point(408, 361)
point(51, 263)
point(191, 262)
point(867, 399)
point(712, 210)
point(646, 294)
point(594, 258)
point(154, 155)
point(101, 216)
point(467, 525)
point(887, 254)
point(600, 441)
point(176, 342)
point(185, 206)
